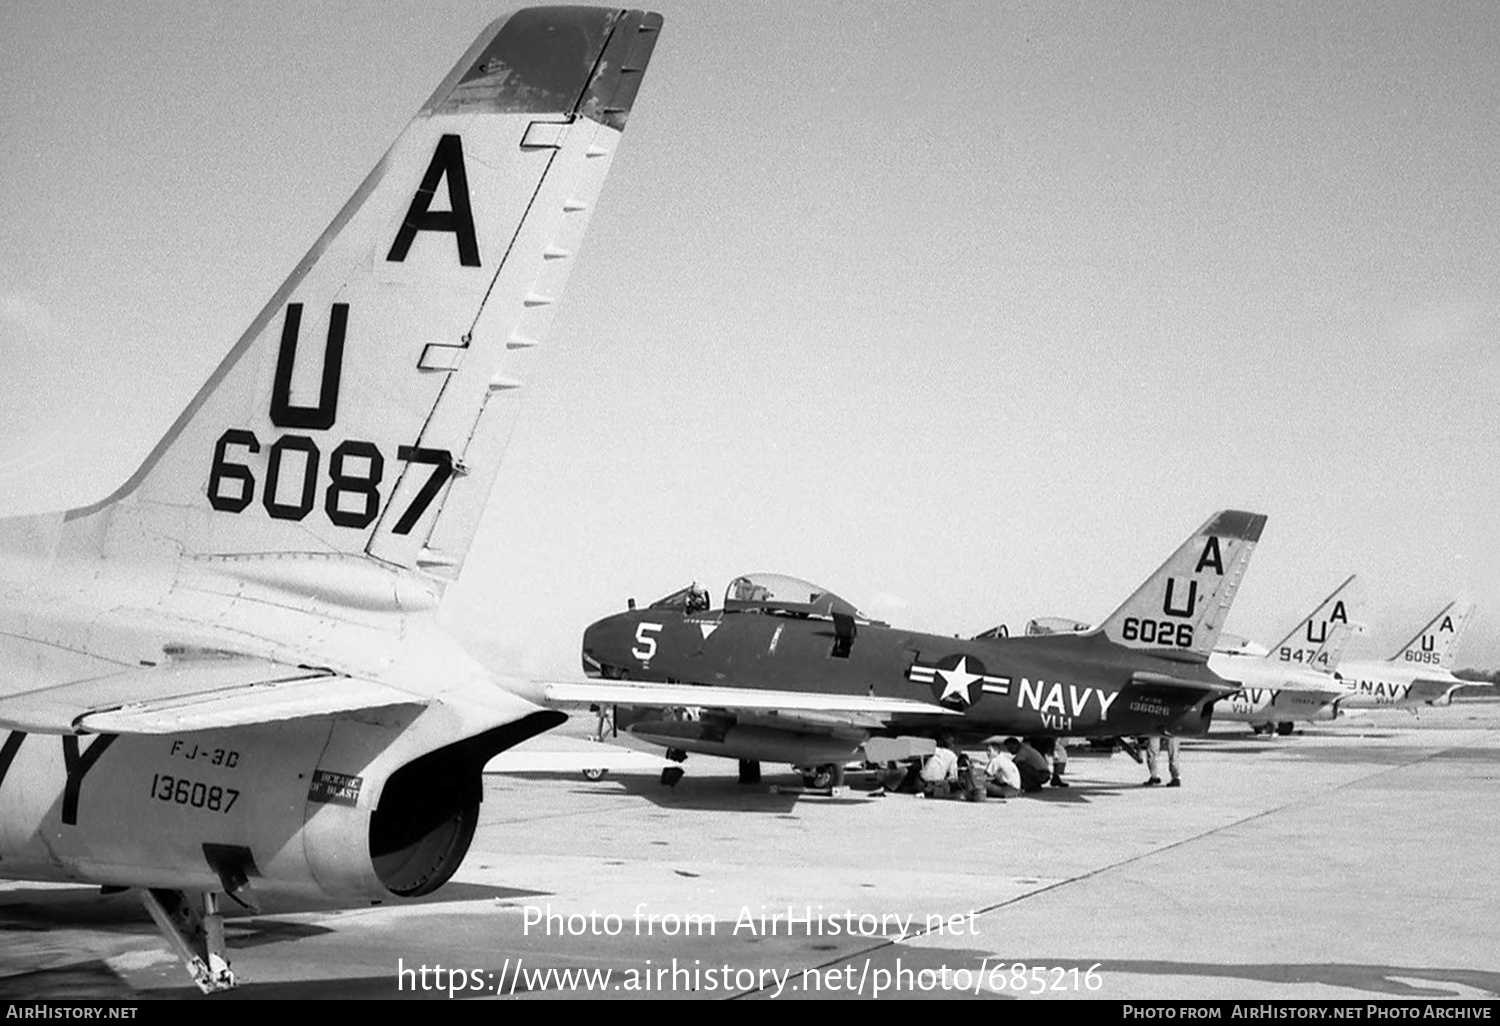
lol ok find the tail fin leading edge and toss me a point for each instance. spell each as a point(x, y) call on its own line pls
point(1181, 608)
point(363, 412)
point(1319, 640)
point(1435, 643)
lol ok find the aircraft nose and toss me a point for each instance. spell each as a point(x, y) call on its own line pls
point(597, 648)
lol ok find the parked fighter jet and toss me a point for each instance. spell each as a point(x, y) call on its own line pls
point(1420, 673)
point(789, 672)
point(1294, 680)
point(228, 676)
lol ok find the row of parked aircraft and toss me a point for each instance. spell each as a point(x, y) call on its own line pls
point(226, 680)
point(786, 671)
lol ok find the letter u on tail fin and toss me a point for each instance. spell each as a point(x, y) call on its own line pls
point(1435, 643)
point(365, 411)
point(1180, 610)
point(1319, 640)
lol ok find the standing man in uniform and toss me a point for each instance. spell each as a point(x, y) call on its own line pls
point(1153, 753)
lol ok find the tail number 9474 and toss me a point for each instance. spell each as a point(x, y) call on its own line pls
point(1158, 632)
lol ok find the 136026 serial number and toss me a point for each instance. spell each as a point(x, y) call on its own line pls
point(193, 793)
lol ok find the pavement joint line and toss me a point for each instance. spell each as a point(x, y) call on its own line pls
point(1434, 753)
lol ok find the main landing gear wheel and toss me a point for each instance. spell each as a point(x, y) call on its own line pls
point(196, 934)
point(672, 774)
point(749, 771)
point(820, 778)
point(594, 775)
point(1285, 728)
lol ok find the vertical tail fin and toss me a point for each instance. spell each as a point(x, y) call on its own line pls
point(1319, 640)
point(1180, 609)
point(364, 411)
point(1435, 643)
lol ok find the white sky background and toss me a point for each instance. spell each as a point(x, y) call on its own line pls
point(968, 312)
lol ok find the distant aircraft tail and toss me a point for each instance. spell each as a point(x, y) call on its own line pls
point(1435, 643)
point(1319, 640)
point(364, 413)
point(1180, 609)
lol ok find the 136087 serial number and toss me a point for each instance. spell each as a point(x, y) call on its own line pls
point(193, 793)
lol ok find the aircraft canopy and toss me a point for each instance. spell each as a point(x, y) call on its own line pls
point(778, 593)
point(1043, 625)
point(691, 599)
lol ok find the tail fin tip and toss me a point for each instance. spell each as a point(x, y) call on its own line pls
point(1234, 523)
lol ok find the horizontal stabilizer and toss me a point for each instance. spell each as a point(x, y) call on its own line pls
point(1180, 687)
point(612, 758)
point(194, 695)
point(1433, 692)
point(671, 695)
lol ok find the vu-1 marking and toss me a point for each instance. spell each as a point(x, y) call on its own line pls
point(248, 626)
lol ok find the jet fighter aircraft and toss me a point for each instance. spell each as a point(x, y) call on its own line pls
point(1295, 679)
point(1421, 671)
point(789, 672)
point(227, 678)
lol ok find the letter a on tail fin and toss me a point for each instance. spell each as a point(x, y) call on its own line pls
point(1180, 609)
point(364, 412)
point(1434, 644)
point(1319, 640)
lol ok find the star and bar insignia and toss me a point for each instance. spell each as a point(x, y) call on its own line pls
point(957, 680)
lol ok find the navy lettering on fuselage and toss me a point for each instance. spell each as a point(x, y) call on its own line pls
point(1382, 691)
point(8, 752)
point(76, 764)
point(1059, 699)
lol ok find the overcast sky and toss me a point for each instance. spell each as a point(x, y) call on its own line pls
point(969, 312)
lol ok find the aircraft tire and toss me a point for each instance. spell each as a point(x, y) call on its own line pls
point(671, 775)
point(749, 771)
point(594, 774)
point(820, 777)
point(1285, 728)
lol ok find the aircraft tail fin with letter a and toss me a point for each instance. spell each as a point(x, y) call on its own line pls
point(1435, 643)
point(1180, 609)
point(363, 414)
point(1319, 640)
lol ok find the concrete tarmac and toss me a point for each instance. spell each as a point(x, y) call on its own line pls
point(1351, 861)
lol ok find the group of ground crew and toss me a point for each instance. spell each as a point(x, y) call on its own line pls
point(1013, 767)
